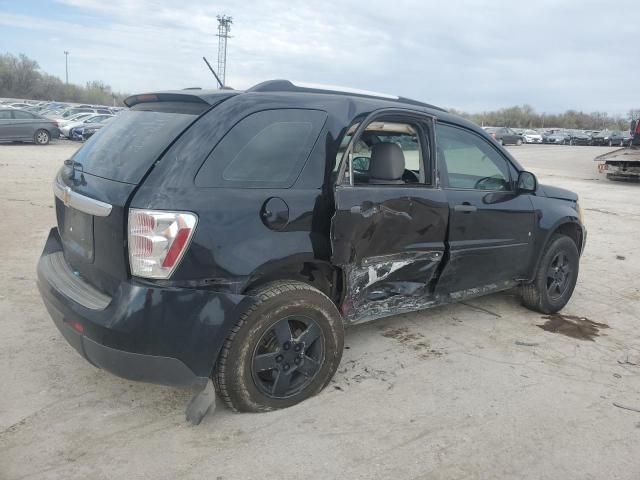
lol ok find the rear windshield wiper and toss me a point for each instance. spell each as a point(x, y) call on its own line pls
point(73, 164)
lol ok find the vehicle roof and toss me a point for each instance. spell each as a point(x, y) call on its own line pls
point(212, 96)
point(332, 99)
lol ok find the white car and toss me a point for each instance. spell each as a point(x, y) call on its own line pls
point(65, 130)
point(19, 105)
point(531, 136)
point(75, 118)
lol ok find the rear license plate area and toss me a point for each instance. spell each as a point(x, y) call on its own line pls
point(77, 233)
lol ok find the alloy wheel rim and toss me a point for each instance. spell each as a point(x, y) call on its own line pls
point(42, 137)
point(288, 357)
point(558, 276)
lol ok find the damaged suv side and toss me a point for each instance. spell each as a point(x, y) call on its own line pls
point(233, 235)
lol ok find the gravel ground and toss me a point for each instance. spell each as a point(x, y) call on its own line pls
point(474, 390)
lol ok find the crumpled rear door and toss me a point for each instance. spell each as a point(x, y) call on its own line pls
point(390, 241)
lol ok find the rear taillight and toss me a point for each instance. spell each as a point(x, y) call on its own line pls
point(158, 240)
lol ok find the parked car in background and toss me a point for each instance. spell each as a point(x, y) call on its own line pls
point(531, 136)
point(557, 137)
point(75, 119)
point(608, 138)
point(504, 135)
point(84, 132)
point(90, 121)
point(69, 112)
point(579, 137)
point(19, 105)
point(627, 138)
point(18, 125)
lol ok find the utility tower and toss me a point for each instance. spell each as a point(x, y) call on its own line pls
point(224, 27)
point(66, 66)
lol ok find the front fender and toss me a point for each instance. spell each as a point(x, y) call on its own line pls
point(554, 216)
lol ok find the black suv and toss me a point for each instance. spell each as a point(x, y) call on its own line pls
point(233, 235)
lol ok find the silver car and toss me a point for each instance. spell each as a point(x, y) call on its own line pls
point(18, 125)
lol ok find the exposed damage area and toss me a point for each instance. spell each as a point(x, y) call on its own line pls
point(389, 284)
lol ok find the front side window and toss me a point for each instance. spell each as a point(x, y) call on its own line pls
point(468, 161)
point(5, 114)
point(264, 150)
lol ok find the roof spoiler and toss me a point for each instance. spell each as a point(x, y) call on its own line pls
point(162, 97)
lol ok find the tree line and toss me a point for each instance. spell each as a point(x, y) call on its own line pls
point(526, 117)
point(21, 78)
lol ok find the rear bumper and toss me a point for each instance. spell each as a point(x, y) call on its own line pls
point(165, 335)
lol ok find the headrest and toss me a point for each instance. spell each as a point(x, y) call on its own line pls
point(387, 162)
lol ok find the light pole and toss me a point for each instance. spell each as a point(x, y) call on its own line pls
point(66, 66)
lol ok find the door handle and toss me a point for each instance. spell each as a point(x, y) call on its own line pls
point(466, 207)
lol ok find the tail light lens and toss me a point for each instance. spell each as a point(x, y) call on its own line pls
point(158, 240)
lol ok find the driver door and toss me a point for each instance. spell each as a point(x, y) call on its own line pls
point(490, 224)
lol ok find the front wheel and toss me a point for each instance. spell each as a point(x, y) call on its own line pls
point(518, 142)
point(41, 137)
point(284, 349)
point(555, 278)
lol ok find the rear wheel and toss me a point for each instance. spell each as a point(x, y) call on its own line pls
point(41, 137)
point(610, 143)
point(518, 142)
point(555, 278)
point(284, 349)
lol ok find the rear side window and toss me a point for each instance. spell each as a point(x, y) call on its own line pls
point(128, 146)
point(19, 115)
point(264, 150)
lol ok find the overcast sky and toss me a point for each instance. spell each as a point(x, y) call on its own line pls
point(470, 55)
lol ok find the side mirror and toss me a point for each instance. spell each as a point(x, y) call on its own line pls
point(527, 182)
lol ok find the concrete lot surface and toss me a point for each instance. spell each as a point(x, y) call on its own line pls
point(469, 391)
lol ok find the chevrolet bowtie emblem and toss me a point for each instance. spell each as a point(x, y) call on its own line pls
point(66, 195)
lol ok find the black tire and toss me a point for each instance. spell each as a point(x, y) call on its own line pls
point(246, 387)
point(41, 137)
point(537, 294)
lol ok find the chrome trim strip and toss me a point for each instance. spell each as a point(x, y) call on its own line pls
point(80, 202)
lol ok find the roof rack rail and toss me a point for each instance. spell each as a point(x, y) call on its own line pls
point(282, 85)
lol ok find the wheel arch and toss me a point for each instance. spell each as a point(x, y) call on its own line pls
point(568, 226)
point(318, 273)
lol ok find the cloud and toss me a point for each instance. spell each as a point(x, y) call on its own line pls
point(471, 55)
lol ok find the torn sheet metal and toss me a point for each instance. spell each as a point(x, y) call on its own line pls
point(389, 284)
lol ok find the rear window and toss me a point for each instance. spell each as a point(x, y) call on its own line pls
point(128, 145)
point(264, 150)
